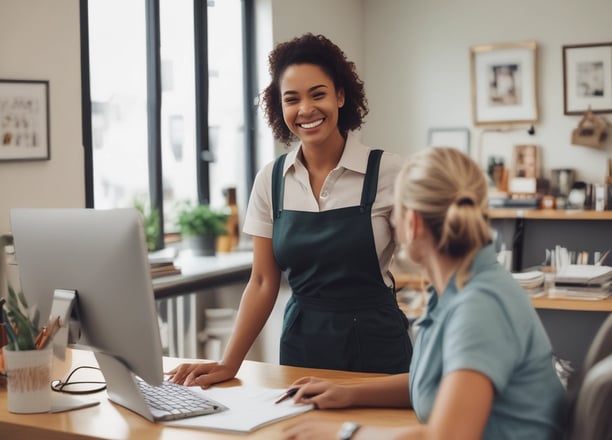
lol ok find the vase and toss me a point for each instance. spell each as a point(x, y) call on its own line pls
point(203, 245)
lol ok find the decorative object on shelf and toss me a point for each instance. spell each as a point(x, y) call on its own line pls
point(526, 161)
point(587, 78)
point(229, 241)
point(456, 137)
point(504, 89)
point(526, 187)
point(200, 225)
point(592, 131)
point(24, 120)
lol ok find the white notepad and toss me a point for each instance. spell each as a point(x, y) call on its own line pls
point(584, 274)
point(250, 408)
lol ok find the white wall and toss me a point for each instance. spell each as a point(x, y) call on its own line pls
point(40, 40)
point(417, 71)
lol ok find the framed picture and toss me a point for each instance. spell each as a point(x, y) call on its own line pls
point(526, 161)
point(587, 78)
point(457, 137)
point(24, 120)
point(504, 88)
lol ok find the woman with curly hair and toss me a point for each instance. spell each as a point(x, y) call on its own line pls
point(321, 214)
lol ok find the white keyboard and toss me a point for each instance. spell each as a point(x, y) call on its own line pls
point(170, 401)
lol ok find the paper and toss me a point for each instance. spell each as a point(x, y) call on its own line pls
point(250, 408)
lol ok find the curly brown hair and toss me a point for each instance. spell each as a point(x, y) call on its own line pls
point(320, 51)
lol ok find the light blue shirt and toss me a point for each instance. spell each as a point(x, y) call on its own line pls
point(491, 327)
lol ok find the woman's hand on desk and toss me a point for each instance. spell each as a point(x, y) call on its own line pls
point(322, 394)
point(201, 374)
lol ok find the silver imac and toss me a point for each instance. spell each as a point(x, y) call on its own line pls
point(102, 255)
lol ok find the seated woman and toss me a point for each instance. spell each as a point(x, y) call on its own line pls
point(482, 365)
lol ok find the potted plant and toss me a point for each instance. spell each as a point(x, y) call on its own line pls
point(200, 225)
point(151, 223)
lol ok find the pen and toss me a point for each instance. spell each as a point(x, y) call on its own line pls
point(290, 393)
point(287, 394)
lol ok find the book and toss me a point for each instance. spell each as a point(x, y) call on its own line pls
point(162, 263)
point(583, 274)
point(163, 269)
point(572, 293)
point(532, 282)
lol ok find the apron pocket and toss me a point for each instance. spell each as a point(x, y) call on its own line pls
point(385, 343)
point(319, 339)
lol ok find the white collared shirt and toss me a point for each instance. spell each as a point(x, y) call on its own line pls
point(342, 188)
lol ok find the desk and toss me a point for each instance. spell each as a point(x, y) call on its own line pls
point(199, 273)
point(572, 324)
point(110, 421)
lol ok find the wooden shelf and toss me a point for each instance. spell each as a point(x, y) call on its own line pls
point(416, 281)
point(549, 214)
point(600, 305)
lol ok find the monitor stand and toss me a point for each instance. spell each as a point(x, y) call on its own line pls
point(121, 386)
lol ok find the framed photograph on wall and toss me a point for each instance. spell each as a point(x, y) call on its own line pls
point(24, 120)
point(504, 89)
point(587, 78)
point(456, 137)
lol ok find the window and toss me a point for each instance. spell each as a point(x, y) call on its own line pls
point(167, 93)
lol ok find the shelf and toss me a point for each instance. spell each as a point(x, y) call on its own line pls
point(549, 214)
point(600, 305)
point(416, 281)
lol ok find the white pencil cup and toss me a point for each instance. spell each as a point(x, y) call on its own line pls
point(29, 380)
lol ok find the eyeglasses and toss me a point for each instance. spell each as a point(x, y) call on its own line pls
point(71, 386)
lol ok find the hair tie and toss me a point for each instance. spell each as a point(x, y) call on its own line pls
point(465, 198)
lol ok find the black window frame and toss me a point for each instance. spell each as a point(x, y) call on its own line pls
point(154, 102)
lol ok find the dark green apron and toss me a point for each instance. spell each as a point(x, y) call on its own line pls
point(341, 315)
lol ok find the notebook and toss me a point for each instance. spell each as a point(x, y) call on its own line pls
point(249, 408)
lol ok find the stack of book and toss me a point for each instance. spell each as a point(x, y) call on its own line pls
point(162, 263)
point(583, 281)
point(532, 282)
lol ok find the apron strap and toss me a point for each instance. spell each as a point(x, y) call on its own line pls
point(278, 185)
point(370, 184)
point(368, 193)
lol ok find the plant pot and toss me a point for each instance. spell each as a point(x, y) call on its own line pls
point(203, 245)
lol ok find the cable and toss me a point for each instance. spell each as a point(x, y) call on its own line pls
point(78, 387)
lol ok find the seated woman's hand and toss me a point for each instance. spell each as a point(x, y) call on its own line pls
point(322, 394)
point(202, 374)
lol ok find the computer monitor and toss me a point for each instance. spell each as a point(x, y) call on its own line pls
point(102, 255)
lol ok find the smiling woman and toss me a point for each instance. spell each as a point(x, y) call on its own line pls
point(321, 213)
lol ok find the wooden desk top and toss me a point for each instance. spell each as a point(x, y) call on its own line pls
point(110, 421)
